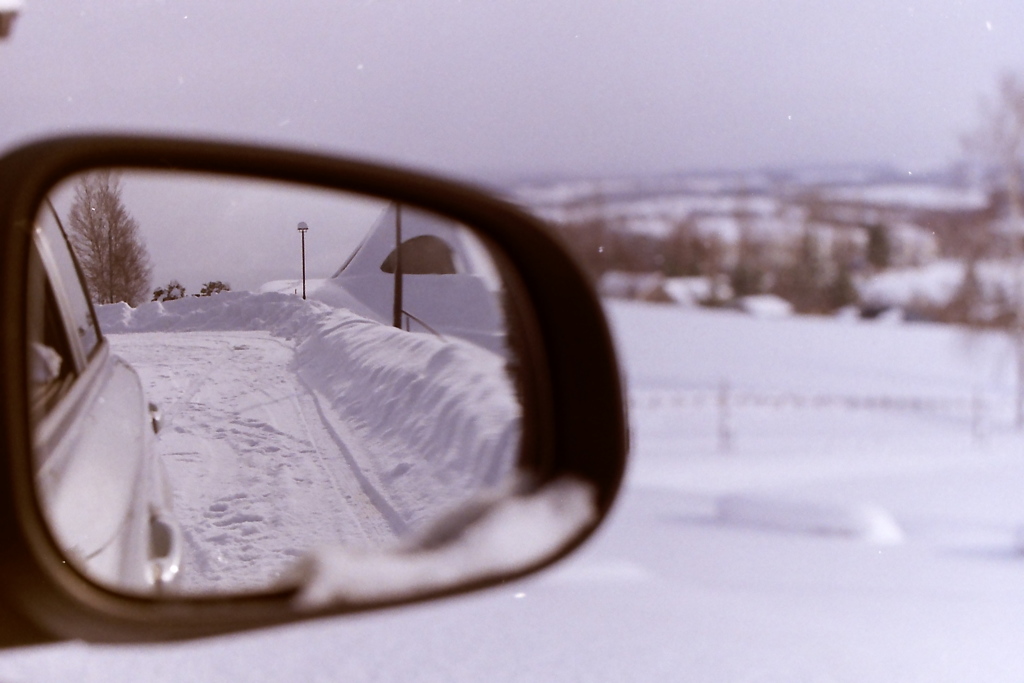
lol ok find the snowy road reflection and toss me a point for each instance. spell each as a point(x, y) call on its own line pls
point(289, 425)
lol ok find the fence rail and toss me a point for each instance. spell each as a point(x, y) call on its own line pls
point(709, 398)
point(977, 408)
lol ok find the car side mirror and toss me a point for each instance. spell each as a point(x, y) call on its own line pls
point(440, 411)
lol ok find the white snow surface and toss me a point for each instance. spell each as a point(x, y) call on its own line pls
point(910, 421)
point(289, 424)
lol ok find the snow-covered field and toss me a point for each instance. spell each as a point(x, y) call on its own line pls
point(808, 500)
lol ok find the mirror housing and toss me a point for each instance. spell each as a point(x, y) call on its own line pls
point(576, 423)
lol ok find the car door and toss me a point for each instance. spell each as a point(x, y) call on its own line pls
point(101, 487)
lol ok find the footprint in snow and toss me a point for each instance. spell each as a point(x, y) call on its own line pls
point(400, 469)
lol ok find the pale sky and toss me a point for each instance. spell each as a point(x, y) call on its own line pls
point(493, 90)
point(519, 87)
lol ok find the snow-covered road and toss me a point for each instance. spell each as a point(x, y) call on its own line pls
point(258, 478)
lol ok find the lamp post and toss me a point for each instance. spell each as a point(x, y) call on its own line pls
point(302, 231)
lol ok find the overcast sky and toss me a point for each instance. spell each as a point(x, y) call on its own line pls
point(504, 89)
point(520, 87)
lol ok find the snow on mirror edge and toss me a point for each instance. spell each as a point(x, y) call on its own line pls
point(509, 536)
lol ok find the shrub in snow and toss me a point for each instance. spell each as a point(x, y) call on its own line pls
point(169, 292)
point(214, 287)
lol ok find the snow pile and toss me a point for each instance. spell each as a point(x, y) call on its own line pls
point(861, 521)
point(281, 314)
point(933, 285)
point(689, 291)
point(423, 423)
point(765, 306)
point(430, 414)
point(292, 287)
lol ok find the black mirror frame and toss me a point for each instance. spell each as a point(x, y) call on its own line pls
point(581, 427)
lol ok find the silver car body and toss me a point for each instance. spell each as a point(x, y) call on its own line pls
point(102, 487)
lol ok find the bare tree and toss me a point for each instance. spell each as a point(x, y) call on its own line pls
point(998, 145)
point(107, 242)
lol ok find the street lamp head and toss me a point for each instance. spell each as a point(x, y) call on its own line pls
point(303, 227)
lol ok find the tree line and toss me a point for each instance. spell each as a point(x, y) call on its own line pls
point(813, 272)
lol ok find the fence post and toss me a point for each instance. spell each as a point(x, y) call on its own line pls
point(977, 416)
point(724, 428)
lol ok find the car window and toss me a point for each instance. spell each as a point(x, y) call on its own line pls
point(51, 364)
point(67, 285)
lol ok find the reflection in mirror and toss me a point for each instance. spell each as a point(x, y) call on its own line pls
point(356, 417)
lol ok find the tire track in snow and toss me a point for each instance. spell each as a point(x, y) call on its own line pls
point(361, 499)
point(254, 487)
point(395, 521)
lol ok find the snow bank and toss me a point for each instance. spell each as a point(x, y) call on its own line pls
point(279, 313)
point(864, 522)
point(765, 306)
point(425, 423)
point(292, 287)
point(933, 284)
point(689, 291)
point(432, 415)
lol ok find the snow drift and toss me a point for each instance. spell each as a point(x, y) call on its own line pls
point(861, 521)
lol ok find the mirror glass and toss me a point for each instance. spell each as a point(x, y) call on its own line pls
point(265, 368)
